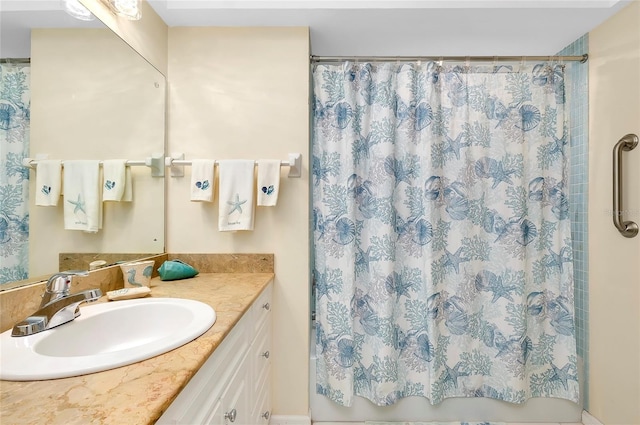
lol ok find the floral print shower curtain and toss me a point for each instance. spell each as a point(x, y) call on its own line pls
point(14, 178)
point(441, 232)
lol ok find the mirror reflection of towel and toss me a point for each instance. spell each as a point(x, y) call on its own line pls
point(236, 195)
point(82, 206)
point(48, 182)
point(114, 171)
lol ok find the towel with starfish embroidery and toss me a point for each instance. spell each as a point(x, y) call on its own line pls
point(236, 195)
point(81, 188)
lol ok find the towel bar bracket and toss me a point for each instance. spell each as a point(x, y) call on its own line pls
point(177, 169)
point(156, 163)
point(295, 165)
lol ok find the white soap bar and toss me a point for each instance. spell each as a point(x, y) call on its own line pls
point(128, 293)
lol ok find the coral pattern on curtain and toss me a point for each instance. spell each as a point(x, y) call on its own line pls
point(14, 178)
point(442, 236)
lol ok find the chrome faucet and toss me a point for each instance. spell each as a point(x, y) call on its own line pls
point(58, 306)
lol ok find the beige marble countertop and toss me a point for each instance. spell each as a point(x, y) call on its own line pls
point(141, 392)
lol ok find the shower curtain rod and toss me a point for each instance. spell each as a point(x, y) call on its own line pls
point(581, 58)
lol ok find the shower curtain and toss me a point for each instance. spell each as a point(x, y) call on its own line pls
point(14, 178)
point(441, 232)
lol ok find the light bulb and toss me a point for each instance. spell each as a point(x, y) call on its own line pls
point(77, 10)
point(129, 9)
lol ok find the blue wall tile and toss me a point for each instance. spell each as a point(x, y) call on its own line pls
point(577, 75)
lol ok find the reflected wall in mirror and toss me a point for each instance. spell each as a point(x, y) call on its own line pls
point(93, 97)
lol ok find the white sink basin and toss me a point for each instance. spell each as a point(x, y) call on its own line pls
point(104, 336)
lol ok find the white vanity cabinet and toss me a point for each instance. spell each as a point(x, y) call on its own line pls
point(233, 386)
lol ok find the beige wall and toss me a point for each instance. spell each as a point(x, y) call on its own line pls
point(614, 261)
point(147, 36)
point(92, 97)
point(243, 93)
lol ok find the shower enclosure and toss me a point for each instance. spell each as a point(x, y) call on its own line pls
point(463, 396)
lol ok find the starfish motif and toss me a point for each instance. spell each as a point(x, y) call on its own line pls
point(557, 260)
point(500, 175)
point(365, 374)
point(363, 258)
point(395, 283)
point(236, 205)
point(454, 260)
point(79, 204)
point(452, 374)
point(499, 290)
point(559, 144)
point(454, 145)
point(562, 375)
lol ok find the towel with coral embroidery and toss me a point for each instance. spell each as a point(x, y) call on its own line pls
point(48, 182)
point(81, 187)
point(268, 182)
point(236, 195)
point(202, 179)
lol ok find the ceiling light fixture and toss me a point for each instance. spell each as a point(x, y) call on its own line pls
point(77, 10)
point(128, 9)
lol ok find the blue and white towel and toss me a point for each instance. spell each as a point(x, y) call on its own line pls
point(48, 182)
point(114, 175)
point(202, 179)
point(82, 206)
point(236, 195)
point(268, 182)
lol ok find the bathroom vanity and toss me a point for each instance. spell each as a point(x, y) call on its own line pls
point(233, 384)
point(221, 375)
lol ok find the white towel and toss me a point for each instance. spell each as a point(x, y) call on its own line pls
point(202, 179)
point(48, 182)
point(127, 196)
point(82, 207)
point(113, 171)
point(236, 195)
point(268, 182)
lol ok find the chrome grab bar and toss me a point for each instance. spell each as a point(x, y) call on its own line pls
point(628, 229)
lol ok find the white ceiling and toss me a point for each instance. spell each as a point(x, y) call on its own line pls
point(368, 27)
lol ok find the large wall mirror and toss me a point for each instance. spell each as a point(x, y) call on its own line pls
point(92, 96)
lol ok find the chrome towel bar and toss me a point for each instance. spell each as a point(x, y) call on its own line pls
point(628, 229)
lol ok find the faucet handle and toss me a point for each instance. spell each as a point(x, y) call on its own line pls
point(60, 282)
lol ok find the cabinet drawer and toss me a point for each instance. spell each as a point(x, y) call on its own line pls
point(236, 400)
point(261, 309)
point(262, 410)
point(260, 356)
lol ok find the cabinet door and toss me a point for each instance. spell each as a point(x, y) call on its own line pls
point(235, 400)
point(260, 356)
point(262, 409)
point(216, 415)
point(261, 309)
